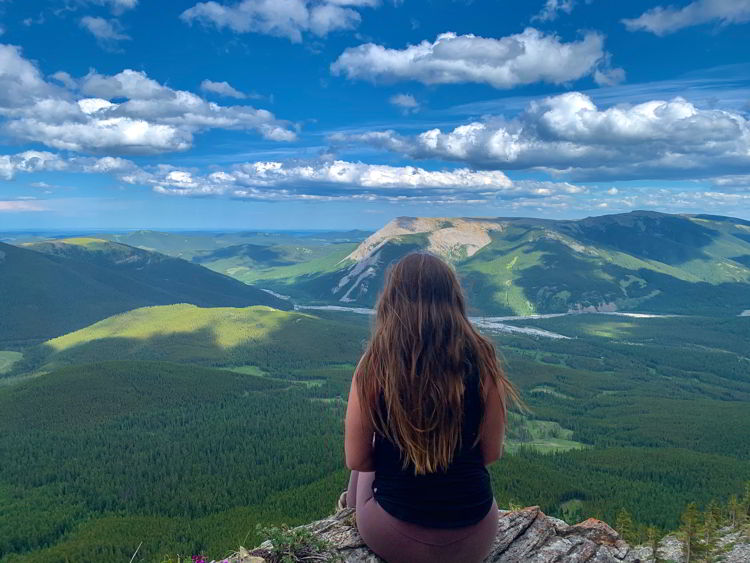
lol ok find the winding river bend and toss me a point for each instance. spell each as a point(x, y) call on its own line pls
point(487, 323)
point(494, 324)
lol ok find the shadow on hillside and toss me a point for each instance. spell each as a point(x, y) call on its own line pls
point(668, 239)
point(299, 342)
point(562, 280)
point(254, 252)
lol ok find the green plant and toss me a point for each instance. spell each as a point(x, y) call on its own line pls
point(296, 545)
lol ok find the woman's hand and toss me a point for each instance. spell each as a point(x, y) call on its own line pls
point(359, 434)
point(492, 431)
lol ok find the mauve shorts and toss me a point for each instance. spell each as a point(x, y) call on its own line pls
point(397, 541)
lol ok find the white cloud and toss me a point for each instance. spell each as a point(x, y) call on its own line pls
point(349, 181)
point(569, 135)
point(222, 88)
point(44, 161)
point(126, 84)
point(20, 206)
point(669, 200)
point(342, 180)
point(662, 21)
point(406, 102)
point(107, 164)
point(20, 80)
point(609, 77)
point(147, 117)
point(117, 6)
point(107, 32)
point(29, 161)
point(732, 183)
point(523, 58)
point(65, 79)
point(280, 18)
point(355, 3)
point(339, 180)
point(551, 8)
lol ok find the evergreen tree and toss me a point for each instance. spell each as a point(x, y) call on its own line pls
point(710, 526)
point(690, 530)
point(624, 525)
point(734, 508)
point(717, 512)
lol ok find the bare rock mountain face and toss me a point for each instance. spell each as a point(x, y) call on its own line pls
point(445, 236)
point(524, 535)
point(450, 238)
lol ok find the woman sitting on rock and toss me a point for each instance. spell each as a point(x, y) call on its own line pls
point(426, 415)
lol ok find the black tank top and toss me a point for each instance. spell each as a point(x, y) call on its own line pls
point(460, 496)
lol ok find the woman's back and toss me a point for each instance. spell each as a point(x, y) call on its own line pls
point(459, 496)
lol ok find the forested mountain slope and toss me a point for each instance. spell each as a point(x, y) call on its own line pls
point(50, 288)
point(270, 340)
point(642, 260)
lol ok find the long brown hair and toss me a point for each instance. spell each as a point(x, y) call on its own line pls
point(417, 359)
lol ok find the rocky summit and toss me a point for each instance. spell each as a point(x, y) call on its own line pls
point(523, 535)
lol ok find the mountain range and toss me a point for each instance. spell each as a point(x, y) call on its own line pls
point(639, 261)
point(155, 392)
point(50, 288)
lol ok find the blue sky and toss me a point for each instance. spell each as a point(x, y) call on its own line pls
point(339, 114)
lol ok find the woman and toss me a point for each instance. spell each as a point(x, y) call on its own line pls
point(426, 414)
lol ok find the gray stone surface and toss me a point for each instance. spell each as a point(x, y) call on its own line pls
point(529, 535)
point(524, 535)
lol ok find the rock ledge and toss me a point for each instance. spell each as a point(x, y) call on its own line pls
point(523, 535)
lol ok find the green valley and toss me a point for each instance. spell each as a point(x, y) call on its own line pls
point(148, 400)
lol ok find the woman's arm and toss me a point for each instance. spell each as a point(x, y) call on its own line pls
point(358, 434)
point(492, 431)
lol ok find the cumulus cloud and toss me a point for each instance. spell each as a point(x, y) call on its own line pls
point(327, 180)
point(20, 80)
point(523, 58)
point(145, 118)
point(107, 32)
point(339, 180)
point(29, 161)
point(551, 9)
point(308, 180)
point(662, 21)
point(222, 89)
point(44, 161)
point(281, 18)
point(406, 102)
point(569, 135)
